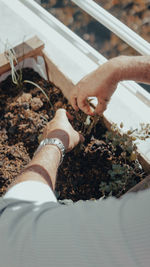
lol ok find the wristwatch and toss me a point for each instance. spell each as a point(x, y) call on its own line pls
point(52, 141)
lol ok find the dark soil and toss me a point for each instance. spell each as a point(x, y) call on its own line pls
point(100, 167)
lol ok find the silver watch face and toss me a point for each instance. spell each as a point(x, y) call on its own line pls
point(52, 141)
point(55, 141)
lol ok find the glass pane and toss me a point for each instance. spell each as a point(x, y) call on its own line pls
point(94, 33)
point(135, 14)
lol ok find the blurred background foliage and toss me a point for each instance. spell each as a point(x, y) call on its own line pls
point(134, 13)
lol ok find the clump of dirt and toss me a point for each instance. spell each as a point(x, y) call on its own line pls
point(100, 166)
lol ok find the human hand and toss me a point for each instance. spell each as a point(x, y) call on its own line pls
point(59, 127)
point(101, 83)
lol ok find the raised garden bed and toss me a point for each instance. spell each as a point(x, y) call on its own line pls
point(104, 165)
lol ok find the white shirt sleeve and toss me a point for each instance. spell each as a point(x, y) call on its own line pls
point(31, 191)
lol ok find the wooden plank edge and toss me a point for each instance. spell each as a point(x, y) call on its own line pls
point(56, 76)
point(31, 48)
point(143, 185)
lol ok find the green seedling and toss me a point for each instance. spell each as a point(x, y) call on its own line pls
point(90, 121)
point(17, 77)
point(36, 85)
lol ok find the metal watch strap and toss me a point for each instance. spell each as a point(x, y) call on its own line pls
point(52, 141)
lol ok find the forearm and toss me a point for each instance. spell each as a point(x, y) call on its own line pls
point(136, 68)
point(43, 167)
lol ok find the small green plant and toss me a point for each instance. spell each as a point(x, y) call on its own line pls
point(126, 169)
point(17, 77)
point(142, 133)
point(123, 142)
point(11, 57)
point(39, 87)
point(88, 122)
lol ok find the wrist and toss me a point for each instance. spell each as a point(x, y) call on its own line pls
point(61, 135)
point(43, 167)
point(118, 65)
point(131, 68)
point(56, 143)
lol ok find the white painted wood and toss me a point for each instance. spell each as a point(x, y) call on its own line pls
point(43, 24)
point(114, 25)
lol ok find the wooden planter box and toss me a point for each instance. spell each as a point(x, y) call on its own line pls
point(35, 47)
point(68, 59)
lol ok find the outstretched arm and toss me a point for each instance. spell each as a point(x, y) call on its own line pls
point(43, 167)
point(136, 68)
point(103, 81)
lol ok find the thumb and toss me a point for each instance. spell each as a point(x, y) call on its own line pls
point(82, 139)
point(61, 113)
point(84, 106)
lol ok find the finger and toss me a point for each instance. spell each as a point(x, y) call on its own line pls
point(61, 112)
point(82, 139)
point(74, 103)
point(61, 116)
point(84, 106)
point(78, 138)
